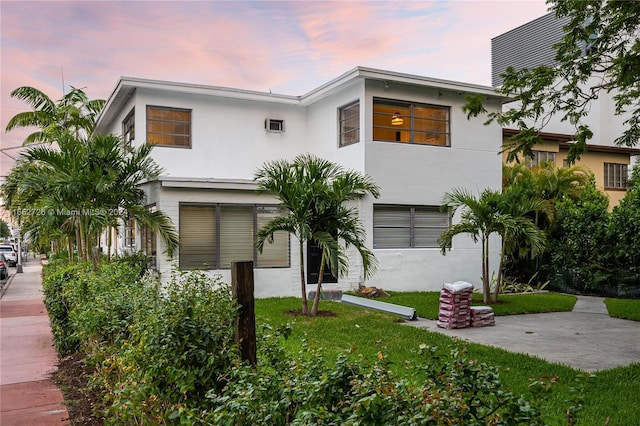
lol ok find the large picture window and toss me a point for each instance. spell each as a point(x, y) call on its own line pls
point(407, 122)
point(408, 226)
point(615, 176)
point(169, 126)
point(214, 235)
point(349, 120)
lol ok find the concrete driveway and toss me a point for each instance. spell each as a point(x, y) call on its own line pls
point(586, 338)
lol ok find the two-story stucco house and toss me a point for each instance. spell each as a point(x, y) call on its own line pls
point(407, 132)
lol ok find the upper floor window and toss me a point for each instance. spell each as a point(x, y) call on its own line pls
point(129, 128)
point(615, 176)
point(540, 158)
point(409, 122)
point(408, 226)
point(349, 121)
point(169, 126)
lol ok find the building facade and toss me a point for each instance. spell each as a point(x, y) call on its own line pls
point(407, 132)
point(531, 45)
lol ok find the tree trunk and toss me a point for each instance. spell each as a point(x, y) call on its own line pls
point(303, 285)
point(316, 299)
point(496, 290)
point(79, 237)
point(109, 232)
point(486, 285)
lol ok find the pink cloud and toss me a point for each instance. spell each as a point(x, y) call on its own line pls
point(289, 47)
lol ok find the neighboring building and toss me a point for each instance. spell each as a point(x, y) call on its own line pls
point(407, 132)
point(530, 45)
point(611, 165)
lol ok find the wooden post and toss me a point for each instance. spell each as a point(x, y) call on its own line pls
point(242, 289)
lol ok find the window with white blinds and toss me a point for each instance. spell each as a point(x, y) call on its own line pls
point(274, 254)
point(408, 226)
point(198, 237)
point(236, 235)
point(213, 236)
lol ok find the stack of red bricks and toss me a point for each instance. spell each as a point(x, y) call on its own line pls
point(455, 305)
point(482, 316)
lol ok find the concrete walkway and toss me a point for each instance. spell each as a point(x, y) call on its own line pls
point(27, 356)
point(586, 338)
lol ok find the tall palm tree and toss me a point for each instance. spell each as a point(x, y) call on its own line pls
point(82, 185)
point(313, 190)
point(73, 113)
point(482, 216)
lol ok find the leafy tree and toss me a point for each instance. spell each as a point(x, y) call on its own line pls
point(492, 213)
point(550, 185)
point(74, 113)
point(313, 191)
point(579, 241)
point(598, 54)
point(4, 229)
point(624, 229)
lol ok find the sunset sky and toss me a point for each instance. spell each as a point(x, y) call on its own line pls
point(282, 46)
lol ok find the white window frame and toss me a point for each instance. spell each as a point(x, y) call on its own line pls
point(616, 176)
point(347, 115)
point(540, 157)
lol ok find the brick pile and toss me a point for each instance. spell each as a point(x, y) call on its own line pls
point(455, 305)
point(482, 316)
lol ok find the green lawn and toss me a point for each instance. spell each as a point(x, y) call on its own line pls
point(624, 308)
point(613, 393)
point(426, 304)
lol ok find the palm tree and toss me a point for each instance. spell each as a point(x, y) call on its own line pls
point(313, 190)
point(83, 185)
point(490, 213)
point(74, 114)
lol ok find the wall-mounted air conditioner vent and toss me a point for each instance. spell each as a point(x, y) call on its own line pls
point(274, 125)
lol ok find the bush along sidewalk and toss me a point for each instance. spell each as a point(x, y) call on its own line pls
point(165, 354)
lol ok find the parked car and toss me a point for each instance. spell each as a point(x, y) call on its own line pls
point(10, 254)
point(4, 271)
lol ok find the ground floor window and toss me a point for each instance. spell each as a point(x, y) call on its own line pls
point(397, 226)
point(214, 235)
point(148, 240)
point(130, 232)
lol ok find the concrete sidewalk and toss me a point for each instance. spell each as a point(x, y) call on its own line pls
point(586, 338)
point(28, 396)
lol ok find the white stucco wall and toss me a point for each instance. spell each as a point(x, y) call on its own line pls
point(421, 175)
point(229, 142)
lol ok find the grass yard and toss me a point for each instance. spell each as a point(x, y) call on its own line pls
point(610, 394)
point(426, 304)
point(624, 308)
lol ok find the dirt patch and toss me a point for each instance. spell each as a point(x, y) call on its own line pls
point(297, 313)
point(72, 378)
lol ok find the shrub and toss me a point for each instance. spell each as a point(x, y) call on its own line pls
point(624, 232)
point(576, 247)
point(61, 283)
point(90, 308)
point(348, 390)
point(181, 345)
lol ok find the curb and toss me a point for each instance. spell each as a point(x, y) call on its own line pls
point(7, 284)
